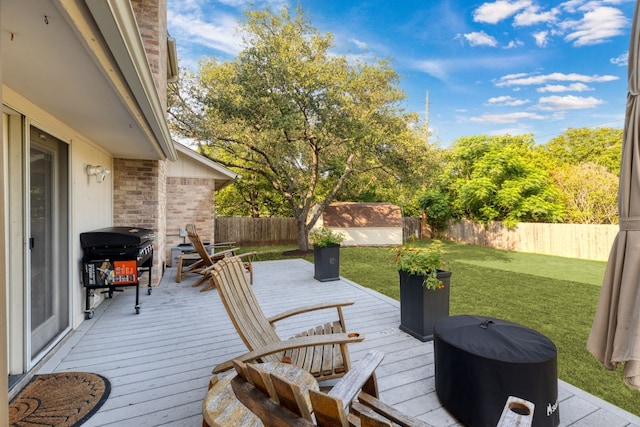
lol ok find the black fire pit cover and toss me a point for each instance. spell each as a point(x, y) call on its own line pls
point(481, 361)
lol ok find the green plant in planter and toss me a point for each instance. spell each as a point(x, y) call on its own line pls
point(324, 237)
point(422, 262)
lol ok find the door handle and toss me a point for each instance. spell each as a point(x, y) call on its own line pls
point(32, 242)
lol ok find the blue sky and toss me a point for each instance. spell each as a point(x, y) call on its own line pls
point(495, 67)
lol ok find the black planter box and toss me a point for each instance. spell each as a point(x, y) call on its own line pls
point(421, 308)
point(327, 263)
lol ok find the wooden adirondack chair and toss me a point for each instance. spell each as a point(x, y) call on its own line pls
point(353, 401)
point(202, 262)
point(278, 402)
point(321, 351)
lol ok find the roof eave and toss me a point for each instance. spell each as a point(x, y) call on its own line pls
point(116, 20)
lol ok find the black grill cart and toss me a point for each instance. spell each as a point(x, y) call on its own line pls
point(113, 258)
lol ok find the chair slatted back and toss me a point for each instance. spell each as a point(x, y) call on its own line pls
point(198, 245)
point(242, 306)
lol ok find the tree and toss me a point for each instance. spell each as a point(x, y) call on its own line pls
point(413, 167)
point(498, 178)
point(437, 208)
point(601, 146)
point(286, 109)
point(251, 196)
point(590, 193)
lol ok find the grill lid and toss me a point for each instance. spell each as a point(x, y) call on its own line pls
point(116, 236)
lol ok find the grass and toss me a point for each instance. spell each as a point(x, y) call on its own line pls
point(553, 295)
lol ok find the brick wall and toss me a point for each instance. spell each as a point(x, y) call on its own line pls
point(139, 186)
point(139, 197)
point(151, 16)
point(189, 201)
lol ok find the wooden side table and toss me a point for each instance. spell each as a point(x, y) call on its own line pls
point(220, 407)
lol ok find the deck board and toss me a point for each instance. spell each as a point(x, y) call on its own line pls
point(159, 362)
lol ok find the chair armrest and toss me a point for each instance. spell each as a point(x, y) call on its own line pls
point(249, 255)
point(222, 254)
point(373, 407)
point(264, 407)
point(308, 308)
point(351, 384)
point(298, 342)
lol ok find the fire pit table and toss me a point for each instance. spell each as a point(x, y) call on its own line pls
point(481, 361)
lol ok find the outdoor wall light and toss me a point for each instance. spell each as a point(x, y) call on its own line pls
point(100, 172)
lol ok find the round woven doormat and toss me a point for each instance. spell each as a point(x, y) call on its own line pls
point(65, 399)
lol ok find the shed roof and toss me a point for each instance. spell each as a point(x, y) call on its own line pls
point(352, 214)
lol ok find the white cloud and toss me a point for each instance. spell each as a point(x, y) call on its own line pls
point(621, 60)
point(569, 102)
point(519, 129)
point(541, 38)
point(539, 79)
point(533, 16)
point(480, 39)
point(439, 69)
point(214, 26)
point(506, 101)
point(443, 69)
point(597, 26)
point(242, 4)
point(572, 6)
point(360, 44)
point(220, 33)
point(506, 118)
point(494, 12)
point(513, 44)
point(575, 87)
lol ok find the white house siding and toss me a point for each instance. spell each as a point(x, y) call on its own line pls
point(90, 202)
point(4, 374)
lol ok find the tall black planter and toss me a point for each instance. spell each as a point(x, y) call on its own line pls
point(420, 308)
point(327, 262)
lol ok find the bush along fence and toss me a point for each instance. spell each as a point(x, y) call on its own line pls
point(584, 241)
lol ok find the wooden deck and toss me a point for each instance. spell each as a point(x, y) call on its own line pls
point(159, 362)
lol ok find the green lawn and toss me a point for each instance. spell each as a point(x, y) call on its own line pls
point(553, 295)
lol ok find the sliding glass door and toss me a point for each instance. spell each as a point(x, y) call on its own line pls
point(47, 241)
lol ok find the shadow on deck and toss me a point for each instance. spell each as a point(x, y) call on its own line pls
point(159, 362)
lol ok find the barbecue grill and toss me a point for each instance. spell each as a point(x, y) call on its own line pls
point(113, 258)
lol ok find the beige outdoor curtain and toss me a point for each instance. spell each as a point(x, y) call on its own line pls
point(615, 334)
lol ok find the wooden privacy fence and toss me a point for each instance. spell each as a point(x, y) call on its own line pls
point(585, 241)
point(256, 231)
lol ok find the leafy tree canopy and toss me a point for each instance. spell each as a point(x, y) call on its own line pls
point(600, 146)
point(589, 192)
point(287, 110)
point(497, 178)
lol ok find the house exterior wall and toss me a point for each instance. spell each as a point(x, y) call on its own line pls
point(139, 193)
point(90, 203)
point(151, 16)
point(140, 185)
point(189, 201)
point(4, 374)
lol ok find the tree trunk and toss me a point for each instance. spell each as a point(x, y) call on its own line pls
point(423, 226)
point(303, 235)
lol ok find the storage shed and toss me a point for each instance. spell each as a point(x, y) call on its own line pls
point(364, 224)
